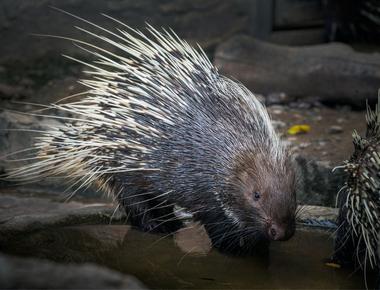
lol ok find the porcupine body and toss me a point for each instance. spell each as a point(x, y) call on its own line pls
point(159, 128)
point(358, 235)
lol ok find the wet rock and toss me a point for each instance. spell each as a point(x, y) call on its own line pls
point(335, 129)
point(333, 72)
point(317, 184)
point(23, 273)
point(20, 215)
point(193, 239)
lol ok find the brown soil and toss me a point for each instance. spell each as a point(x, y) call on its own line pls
point(330, 137)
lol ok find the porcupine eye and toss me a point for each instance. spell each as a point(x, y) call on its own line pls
point(256, 195)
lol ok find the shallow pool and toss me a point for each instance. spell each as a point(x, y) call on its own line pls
point(159, 262)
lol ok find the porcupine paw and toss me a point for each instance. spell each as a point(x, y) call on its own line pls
point(154, 222)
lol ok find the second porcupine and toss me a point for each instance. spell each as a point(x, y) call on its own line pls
point(159, 128)
point(358, 235)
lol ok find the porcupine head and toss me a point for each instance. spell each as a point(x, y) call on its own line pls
point(159, 127)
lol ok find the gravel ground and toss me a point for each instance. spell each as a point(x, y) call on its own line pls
point(329, 138)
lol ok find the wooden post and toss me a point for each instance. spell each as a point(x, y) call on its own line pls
point(261, 18)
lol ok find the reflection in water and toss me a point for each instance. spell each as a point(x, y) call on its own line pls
point(160, 262)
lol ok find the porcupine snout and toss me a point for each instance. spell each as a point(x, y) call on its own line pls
point(280, 231)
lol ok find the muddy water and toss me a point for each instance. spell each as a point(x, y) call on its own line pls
point(160, 263)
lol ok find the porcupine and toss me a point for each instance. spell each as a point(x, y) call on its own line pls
point(159, 128)
point(358, 235)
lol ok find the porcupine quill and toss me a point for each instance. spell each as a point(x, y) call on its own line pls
point(358, 232)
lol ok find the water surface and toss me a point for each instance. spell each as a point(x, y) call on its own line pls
point(159, 263)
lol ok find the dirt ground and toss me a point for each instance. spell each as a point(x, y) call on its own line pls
point(330, 135)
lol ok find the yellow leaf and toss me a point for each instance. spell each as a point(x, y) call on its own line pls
point(333, 265)
point(298, 129)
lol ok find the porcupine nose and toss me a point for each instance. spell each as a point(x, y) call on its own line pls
point(278, 232)
point(275, 232)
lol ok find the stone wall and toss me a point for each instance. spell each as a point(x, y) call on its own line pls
point(207, 22)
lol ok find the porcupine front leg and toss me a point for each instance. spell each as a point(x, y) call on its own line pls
point(147, 209)
point(148, 214)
